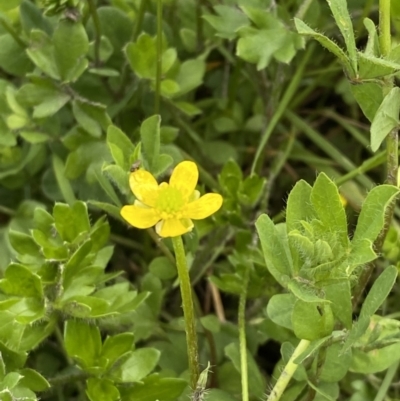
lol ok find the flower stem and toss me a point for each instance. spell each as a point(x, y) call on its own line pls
point(287, 372)
point(384, 27)
point(159, 57)
point(188, 310)
point(242, 337)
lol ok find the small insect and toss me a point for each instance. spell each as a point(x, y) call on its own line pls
point(320, 311)
point(135, 166)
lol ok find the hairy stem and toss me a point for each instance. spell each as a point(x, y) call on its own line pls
point(287, 372)
point(188, 310)
point(159, 58)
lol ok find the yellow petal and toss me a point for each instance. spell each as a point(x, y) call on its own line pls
point(173, 227)
point(203, 207)
point(184, 178)
point(140, 217)
point(144, 186)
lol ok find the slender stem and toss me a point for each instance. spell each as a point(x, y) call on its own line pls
point(6, 210)
point(188, 310)
point(161, 245)
point(372, 162)
point(320, 364)
point(384, 27)
point(305, 5)
point(97, 31)
point(387, 381)
point(139, 20)
point(159, 58)
point(138, 27)
point(199, 27)
point(12, 32)
point(287, 372)
point(242, 337)
point(282, 107)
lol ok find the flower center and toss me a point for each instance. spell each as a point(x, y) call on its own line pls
point(169, 202)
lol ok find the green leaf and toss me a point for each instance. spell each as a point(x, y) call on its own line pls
point(41, 52)
point(376, 360)
point(371, 219)
point(71, 44)
point(13, 58)
point(83, 306)
point(375, 67)
point(150, 139)
point(379, 292)
point(9, 4)
point(169, 88)
point(82, 342)
point(163, 268)
point(325, 198)
point(372, 48)
point(32, 18)
point(299, 206)
point(280, 309)
point(23, 243)
point(120, 146)
point(33, 380)
point(339, 294)
point(251, 46)
point(105, 49)
point(376, 296)
point(71, 221)
point(63, 182)
point(219, 152)
point(163, 162)
point(154, 388)
point(137, 366)
point(305, 292)
point(190, 76)
point(112, 210)
point(34, 137)
point(101, 390)
point(11, 380)
point(304, 29)
point(278, 261)
point(343, 21)
point(228, 21)
point(119, 177)
point(116, 346)
point(369, 97)
point(19, 280)
point(312, 321)
point(44, 96)
point(336, 364)
point(142, 56)
point(386, 118)
point(93, 118)
point(73, 266)
point(188, 108)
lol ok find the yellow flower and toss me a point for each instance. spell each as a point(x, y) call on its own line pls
point(170, 207)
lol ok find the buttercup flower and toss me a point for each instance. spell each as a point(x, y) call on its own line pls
point(170, 207)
